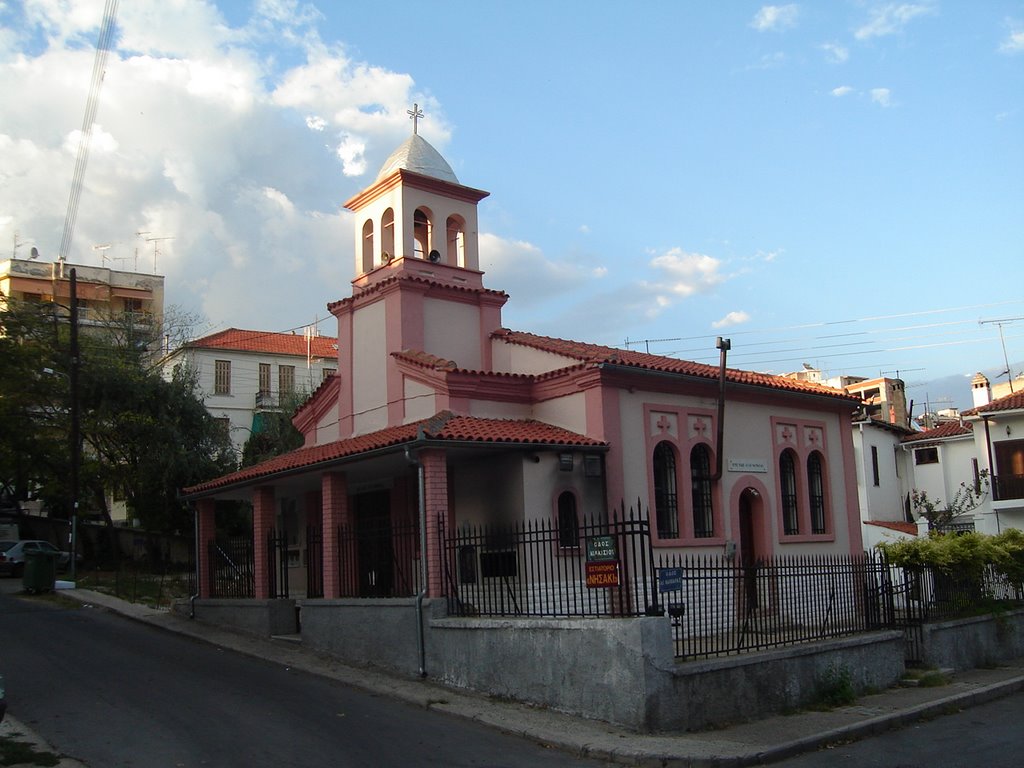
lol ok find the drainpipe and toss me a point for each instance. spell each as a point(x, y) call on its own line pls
point(195, 527)
point(991, 472)
point(420, 640)
point(723, 345)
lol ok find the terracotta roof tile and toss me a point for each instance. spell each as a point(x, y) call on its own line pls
point(1011, 402)
point(444, 426)
point(942, 432)
point(910, 528)
point(402, 277)
point(595, 354)
point(267, 342)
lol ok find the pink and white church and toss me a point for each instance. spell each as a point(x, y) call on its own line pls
point(440, 416)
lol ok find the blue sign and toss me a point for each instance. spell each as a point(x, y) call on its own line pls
point(670, 579)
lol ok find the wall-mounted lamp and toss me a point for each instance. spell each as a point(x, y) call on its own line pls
point(565, 462)
point(1008, 431)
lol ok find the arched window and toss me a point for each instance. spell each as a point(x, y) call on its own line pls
point(367, 245)
point(568, 521)
point(666, 500)
point(787, 480)
point(387, 233)
point(421, 233)
point(816, 492)
point(456, 238)
point(700, 479)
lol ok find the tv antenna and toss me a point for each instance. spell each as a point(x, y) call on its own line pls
point(1000, 323)
point(103, 251)
point(156, 247)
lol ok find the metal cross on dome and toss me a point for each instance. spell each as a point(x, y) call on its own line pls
point(414, 114)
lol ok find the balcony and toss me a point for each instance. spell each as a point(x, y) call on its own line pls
point(1007, 487)
point(266, 401)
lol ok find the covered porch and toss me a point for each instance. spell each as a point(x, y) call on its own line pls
point(353, 518)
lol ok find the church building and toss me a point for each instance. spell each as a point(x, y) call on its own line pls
point(439, 418)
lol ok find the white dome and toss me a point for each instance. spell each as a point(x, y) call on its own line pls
point(416, 155)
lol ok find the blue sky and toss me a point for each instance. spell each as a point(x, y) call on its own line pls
point(838, 183)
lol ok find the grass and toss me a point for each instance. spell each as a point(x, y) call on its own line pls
point(835, 689)
point(15, 752)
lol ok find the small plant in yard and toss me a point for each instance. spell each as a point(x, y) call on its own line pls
point(836, 689)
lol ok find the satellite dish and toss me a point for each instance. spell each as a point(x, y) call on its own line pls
point(385, 257)
point(34, 253)
point(434, 256)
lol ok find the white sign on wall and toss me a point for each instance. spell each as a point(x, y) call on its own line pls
point(747, 465)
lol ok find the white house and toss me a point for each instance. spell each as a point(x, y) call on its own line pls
point(999, 448)
point(243, 374)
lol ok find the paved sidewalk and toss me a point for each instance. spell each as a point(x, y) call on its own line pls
point(744, 744)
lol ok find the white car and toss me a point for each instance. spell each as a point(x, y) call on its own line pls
point(13, 553)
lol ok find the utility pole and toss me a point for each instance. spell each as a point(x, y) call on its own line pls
point(76, 443)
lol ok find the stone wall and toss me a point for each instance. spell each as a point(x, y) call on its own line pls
point(979, 641)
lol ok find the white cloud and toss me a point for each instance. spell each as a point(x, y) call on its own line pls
point(891, 19)
point(835, 53)
point(842, 90)
point(686, 274)
point(881, 96)
point(771, 17)
point(203, 139)
point(733, 318)
point(1014, 42)
point(522, 269)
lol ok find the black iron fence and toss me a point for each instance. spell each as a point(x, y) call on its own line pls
point(231, 564)
point(277, 571)
point(314, 562)
point(379, 559)
point(720, 607)
point(536, 569)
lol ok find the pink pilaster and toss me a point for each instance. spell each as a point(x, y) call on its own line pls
point(206, 533)
point(435, 470)
point(263, 513)
point(334, 492)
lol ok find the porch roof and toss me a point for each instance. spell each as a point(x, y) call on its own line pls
point(444, 428)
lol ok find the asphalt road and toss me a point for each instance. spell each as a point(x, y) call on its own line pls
point(113, 692)
point(988, 735)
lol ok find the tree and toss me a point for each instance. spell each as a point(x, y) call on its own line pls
point(966, 498)
point(277, 434)
point(143, 437)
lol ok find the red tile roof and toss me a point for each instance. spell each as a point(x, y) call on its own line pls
point(444, 426)
point(596, 354)
point(942, 432)
point(407, 278)
point(267, 342)
point(910, 528)
point(1012, 402)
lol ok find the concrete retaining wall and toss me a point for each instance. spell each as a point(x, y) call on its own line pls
point(617, 670)
point(707, 694)
point(979, 641)
point(256, 617)
point(367, 632)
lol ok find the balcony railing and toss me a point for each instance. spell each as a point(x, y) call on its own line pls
point(1007, 487)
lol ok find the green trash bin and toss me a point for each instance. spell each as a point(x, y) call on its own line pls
point(40, 572)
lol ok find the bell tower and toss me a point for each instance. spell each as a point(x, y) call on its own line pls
point(416, 211)
point(418, 291)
